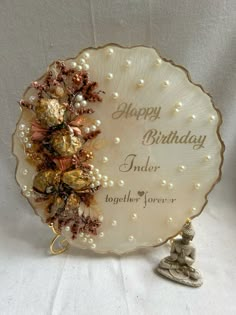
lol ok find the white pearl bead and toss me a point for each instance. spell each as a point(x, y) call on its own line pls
point(67, 228)
point(166, 83)
point(121, 183)
point(158, 62)
point(178, 105)
point(93, 127)
point(192, 117)
point(104, 184)
point(27, 130)
point(99, 176)
point(93, 246)
point(73, 64)
point(93, 178)
point(79, 68)
point(97, 183)
point(194, 209)
point(163, 182)
point(77, 105)
point(21, 134)
point(90, 241)
point(100, 218)
point(110, 183)
point(115, 95)
point(117, 140)
point(28, 194)
point(84, 240)
point(32, 99)
point(81, 234)
point(134, 216)
point(101, 234)
point(160, 240)
point(79, 97)
point(86, 129)
point(114, 223)
point(170, 186)
point(140, 83)
point(92, 185)
point(128, 63)
point(104, 178)
point(208, 158)
point(25, 172)
point(182, 168)
point(26, 140)
point(96, 171)
point(91, 167)
point(212, 118)
point(22, 127)
point(131, 238)
point(24, 188)
point(110, 51)
point(177, 110)
point(197, 186)
point(109, 76)
point(86, 66)
point(28, 145)
point(86, 55)
point(82, 61)
point(170, 220)
point(90, 172)
point(84, 103)
point(105, 159)
point(97, 123)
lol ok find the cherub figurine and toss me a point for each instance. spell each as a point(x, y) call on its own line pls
point(178, 266)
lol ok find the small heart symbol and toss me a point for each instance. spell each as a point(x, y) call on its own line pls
point(140, 193)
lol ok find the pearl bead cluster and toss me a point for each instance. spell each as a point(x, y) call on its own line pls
point(23, 135)
point(85, 238)
point(93, 127)
point(103, 180)
point(82, 63)
point(80, 101)
point(169, 185)
point(178, 107)
point(26, 191)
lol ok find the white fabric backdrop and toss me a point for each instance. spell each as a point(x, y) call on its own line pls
point(197, 34)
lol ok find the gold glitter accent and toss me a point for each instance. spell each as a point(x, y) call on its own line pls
point(76, 180)
point(46, 179)
point(50, 112)
point(65, 143)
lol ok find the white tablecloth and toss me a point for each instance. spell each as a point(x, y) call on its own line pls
point(197, 34)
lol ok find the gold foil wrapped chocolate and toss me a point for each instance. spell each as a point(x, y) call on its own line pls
point(46, 181)
point(66, 143)
point(50, 112)
point(76, 180)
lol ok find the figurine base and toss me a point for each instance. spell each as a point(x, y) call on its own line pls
point(180, 277)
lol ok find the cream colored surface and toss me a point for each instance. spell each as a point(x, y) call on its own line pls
point(197, 34)
point(151, 85)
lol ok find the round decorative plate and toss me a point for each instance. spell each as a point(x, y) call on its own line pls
point(117, 147)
